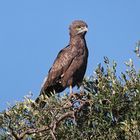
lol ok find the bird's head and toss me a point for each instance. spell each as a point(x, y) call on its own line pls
point(78, 28)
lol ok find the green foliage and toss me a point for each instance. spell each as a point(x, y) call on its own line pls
point(108, 109)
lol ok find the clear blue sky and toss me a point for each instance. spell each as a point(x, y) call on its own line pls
point(32, 32)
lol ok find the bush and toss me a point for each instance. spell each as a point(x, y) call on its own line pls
point(107, 109)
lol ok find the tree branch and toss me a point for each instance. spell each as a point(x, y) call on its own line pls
point(56, 121)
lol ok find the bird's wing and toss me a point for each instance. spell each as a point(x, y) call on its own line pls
point(60, 65)
point(77, 66)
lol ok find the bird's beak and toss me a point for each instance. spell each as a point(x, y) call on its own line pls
point(83, 29)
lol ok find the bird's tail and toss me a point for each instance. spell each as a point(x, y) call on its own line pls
point(43, 97)
point(41, 100)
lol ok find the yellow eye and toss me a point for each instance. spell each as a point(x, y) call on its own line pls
point(78, 28)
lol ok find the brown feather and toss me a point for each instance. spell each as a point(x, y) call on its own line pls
point(70, 64)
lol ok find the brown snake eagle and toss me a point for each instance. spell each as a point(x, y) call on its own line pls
point(70, 64)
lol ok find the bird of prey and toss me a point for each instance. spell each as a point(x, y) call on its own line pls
point(70, 64)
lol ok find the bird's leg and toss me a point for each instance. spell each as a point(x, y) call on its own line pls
point(71, 89)
point(71, 92)
point(82, 88)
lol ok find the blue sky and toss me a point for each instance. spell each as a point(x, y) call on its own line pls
point(32, 33)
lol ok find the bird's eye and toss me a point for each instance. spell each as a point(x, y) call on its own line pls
point(78, 27)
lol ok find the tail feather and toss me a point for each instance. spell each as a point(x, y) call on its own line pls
point(41, 99)
point(47, 92)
